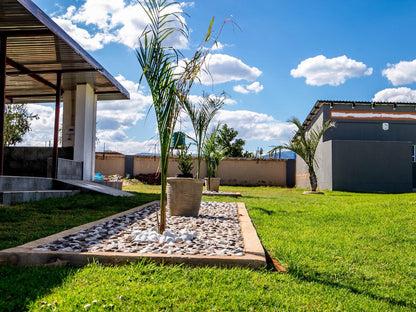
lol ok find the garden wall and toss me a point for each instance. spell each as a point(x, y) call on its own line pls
point(232, 171)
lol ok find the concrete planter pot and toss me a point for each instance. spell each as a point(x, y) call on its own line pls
point(184, 196)
point(213, 185)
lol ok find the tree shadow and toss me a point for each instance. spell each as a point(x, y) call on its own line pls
point(318, 278)
point(266, 211)
point(19, 286)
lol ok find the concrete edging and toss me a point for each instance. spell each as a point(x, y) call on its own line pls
point(254, 255)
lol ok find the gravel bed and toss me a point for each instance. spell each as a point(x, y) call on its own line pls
point(215, 232)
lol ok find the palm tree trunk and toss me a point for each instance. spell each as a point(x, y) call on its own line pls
point(313, 180)
point(163, 182)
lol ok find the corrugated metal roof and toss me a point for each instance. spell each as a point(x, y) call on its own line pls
point(37, 48)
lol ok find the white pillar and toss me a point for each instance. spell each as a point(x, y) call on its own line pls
point(85, 123)
point(68, 119)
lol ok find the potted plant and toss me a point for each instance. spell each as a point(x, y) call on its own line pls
point(185, 163)
point(183, 192)
point(213, 155)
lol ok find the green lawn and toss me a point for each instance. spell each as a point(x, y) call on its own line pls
point(342, 252)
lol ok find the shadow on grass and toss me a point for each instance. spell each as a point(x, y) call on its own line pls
point(20, 286)
point(311, 276)
point(266, 211)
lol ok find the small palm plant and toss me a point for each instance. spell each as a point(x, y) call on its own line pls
point(304, 144)
point(168, 82)
point(185, 162)
point(213, 154)
point(201, 116)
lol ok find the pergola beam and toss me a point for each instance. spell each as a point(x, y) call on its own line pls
point(23, 69)
point(39, 72)
point(26, 33)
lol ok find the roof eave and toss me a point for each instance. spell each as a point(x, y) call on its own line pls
point(60, 33)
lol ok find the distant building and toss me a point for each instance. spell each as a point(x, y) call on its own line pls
point(371, 149)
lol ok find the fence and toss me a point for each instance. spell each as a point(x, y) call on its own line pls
point(232, 171)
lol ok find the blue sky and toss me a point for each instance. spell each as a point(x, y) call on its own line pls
point(274, 63)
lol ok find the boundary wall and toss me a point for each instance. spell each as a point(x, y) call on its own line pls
point(232, 171)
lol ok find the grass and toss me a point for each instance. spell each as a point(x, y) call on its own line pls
point(29, 221)
point(343, 252)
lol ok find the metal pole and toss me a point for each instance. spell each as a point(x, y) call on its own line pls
point(56, 129)
point(3, 56)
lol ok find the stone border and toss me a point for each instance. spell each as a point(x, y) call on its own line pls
point(254, 255)
point(229, 194)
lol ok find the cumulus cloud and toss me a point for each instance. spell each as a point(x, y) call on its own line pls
point(42, 128)
point(320, 70)
point(256, 126)
point(401, 73)
point(82, 36)
point(395, 95)
point(221, 68)
point(197, 99)
point(120, 21)
point(114, 117)
point(255, 87)
point(130, 147)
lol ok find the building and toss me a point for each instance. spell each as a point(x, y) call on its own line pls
point(371, 149)
point(40, 63)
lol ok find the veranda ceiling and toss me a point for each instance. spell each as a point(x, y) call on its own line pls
point(37, 49)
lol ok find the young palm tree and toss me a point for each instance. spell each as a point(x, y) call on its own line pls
point(169, 84)
point(213, 154)
point(201, 116)
point(305, 144)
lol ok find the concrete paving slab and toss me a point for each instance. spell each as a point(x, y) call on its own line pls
point(254, 256)
point(95, 187)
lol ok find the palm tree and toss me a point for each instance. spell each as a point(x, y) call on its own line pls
point(201, 116)
point(304, 144)
point(274, 149)
point(168, 82)
point(213, 154)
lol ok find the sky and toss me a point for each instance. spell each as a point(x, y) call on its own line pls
point(274, 59)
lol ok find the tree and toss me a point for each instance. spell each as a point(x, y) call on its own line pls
point(227, 140)
point(201, 116)
point(304, 144)
point(169, 83)
point(17, 122)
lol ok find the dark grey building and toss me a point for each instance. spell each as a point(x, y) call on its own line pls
point(371, 149)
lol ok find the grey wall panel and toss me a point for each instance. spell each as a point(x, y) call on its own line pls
point(372, 166)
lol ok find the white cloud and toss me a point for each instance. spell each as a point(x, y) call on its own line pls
point(320, 70)
point(240, 89)
point(113, 117)
point(254, 87)
point(120, 21)
point(401, 73)
point(256, 126)
point(130, 147)
point(187, 4)
point(82, 36)
point(221, 68)
point(42, 128)
point(197, 99)
point(396, 95)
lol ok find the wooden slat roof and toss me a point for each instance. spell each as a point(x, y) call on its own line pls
point(37, 48)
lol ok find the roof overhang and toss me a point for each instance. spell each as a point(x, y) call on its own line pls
point(38, 49)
